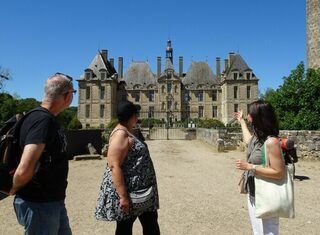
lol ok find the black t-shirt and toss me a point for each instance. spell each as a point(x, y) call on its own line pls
point(49, 182)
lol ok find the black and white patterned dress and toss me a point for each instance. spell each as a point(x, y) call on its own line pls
point(138, 173)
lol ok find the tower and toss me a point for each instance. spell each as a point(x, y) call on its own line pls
point(313, 33)
point(169, 52)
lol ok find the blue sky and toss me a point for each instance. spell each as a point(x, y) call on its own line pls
point(39, 38)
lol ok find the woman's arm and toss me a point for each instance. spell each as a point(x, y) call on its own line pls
point(245, 131)
point(276, 162)
point(117, 152)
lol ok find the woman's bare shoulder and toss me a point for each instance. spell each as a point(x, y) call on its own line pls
point(272, 141)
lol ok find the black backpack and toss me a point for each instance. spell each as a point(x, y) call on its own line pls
point(10, 150)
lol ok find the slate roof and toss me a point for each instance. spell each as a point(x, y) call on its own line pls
point(99, 63)
point(199, 73)
point(238, 64)
point(169, 64)
point(139, 73)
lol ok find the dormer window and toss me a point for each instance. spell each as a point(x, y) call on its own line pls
point(248, 75)
point(103, 75)
point(88, 75)
point(235, 76)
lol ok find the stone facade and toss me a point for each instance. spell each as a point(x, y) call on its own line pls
point(313, 33)
point(168, 94)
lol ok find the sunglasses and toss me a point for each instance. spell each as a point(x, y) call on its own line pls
point(70, 80)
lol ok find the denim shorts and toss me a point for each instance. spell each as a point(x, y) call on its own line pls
point(45, 218)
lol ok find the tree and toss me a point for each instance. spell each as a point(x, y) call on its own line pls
point(24, 105)
point(4, 75)
point(65, 117)
point(297, 101)
point(8, 107)
point(75, 124)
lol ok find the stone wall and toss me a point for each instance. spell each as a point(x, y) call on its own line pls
point(306, 142)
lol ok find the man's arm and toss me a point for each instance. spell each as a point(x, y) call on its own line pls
point(24, 173)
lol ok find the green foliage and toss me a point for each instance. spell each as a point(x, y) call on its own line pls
point(208, 123)
point(65, 117)
point(297, 101)
point(24, 105)
point(8, 107)
point(74, 124)
point(112, 124)
point(150, 122)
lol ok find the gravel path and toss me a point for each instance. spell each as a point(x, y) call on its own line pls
point(198, 194)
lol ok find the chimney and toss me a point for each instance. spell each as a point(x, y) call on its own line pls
point(231, 58)
point(120, 67)
point(180, 66)
point(226, 63)
point(159, 66)
point(105, 55)
point(112, 62)
point(218, 73)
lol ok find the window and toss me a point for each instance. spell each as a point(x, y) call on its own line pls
point(248, 108)
point(188, 112)
point(214, 111)
point(163, 105)
point(248, 92)
point(236, 107)
point(151, 112)
point(214, 95)
point(200, 112)
point(103, 75)
point(151, 96)
point(248, 76)
point(169, 88)
point(200, 95)
point(186, 96)
point(235, 92)
point(176, 105)
point(136, 96)
point(102, 110)
point(88, 93)
point(169, 105)
point(102, 92)
point(88, 75)
point(87, 111)
point(162, 89)
point(235, 76)
point(175, 89)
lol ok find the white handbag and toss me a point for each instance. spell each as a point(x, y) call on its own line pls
point(274, 198)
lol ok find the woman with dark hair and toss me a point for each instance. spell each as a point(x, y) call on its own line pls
point(129, 186)
point(265, 131)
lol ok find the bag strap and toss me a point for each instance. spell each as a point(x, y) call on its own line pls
point(265, 161)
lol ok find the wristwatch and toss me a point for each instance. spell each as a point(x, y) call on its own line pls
point(253, 169)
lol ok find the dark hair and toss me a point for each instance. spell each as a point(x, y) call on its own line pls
point(264, 119)
point(126, 110)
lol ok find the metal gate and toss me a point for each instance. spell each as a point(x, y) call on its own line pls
point(171, 133)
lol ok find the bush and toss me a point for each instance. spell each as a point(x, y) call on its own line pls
point(149, 122)
point(112, 124)
point(210, 123)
